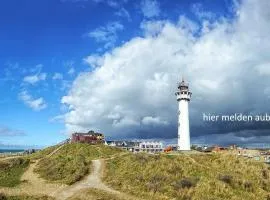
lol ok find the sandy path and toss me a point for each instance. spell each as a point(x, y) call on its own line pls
point(91, 181)
point(32, 184)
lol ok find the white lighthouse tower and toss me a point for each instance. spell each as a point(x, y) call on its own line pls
point(183, 97)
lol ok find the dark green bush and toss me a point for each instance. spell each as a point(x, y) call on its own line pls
point(3, 197)
point(185, 183)
point(226, 179)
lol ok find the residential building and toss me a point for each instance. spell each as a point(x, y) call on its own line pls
point(151, 147)
point(126, 145)
point(91, 138)
point(137, 146)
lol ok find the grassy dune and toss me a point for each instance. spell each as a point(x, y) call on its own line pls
point(72, 162)
point(42, 153)
point(4, 197)
point(186, 177)
point(11, 171)
point(95, 194)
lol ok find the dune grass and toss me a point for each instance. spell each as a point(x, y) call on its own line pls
point(72, 162)
point(42, 153)
point(186, 177)
point(11, 171)
point(95, 194)
point(4, 197)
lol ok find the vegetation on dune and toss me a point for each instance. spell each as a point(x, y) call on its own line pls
point(42, 153)
point(11, 171)
point(196, 177)
point(4, 197)
point(95, 194)
point(72, 162)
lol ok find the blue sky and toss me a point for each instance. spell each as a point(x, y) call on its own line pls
point(44, 46)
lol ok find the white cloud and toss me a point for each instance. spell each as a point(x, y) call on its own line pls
point(150, 8)
point(71, 71)
point(135, 83)
point(6, 131)
point(113, 4)
point(9, 71)
point(94, 60)
point(37, 69)
point(149, 120)
point(57, 76)
point(125, 122)
point(200, 12)
point(107, 34)
point(123, 13)
point(264, 69)
point(58, 118)
point(32, 79)
point(68, 64)
point(152, 28)
point(36, 104)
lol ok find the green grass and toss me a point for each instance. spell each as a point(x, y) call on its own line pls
point(11, 171)
point(72, 162)
point(186, 177)
point(4, 197)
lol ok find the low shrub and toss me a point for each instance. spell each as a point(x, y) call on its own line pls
point(185, 183)
point(248, 186)
point(155, 183)
point(3, 197)
point(226, 179)
point(265, 174)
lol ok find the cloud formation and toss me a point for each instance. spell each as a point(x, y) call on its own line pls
point(107, 34)
point(122, 12)
point(8, 132)
point(57, 76)
point(130, 93)
point(37, 77)
point(150, 8)
point(36, 104)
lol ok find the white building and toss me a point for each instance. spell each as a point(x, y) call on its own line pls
point(183, 97)
point(137, 146)
point(151, 147)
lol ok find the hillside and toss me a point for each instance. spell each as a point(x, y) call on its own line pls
point(11, 171)
point(196, 177)
point(82, 171)
point(72, 162)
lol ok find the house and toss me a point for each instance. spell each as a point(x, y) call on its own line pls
point(126, 145)
point(91, 138)
point(151, 147)
point(135, 146)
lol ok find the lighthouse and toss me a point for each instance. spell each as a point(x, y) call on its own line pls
point(183, 97)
